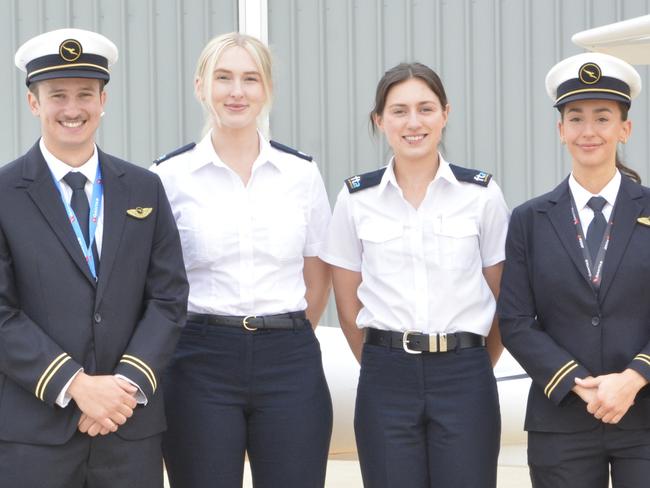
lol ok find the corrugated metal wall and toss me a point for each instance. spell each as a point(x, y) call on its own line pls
point(492, 56)
point(151, 107)
point(329, 54)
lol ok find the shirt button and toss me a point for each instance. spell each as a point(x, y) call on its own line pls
point(98, 318)
point(595, 321)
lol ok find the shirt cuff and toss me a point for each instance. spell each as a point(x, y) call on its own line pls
point(63, 398)
point(140, 397)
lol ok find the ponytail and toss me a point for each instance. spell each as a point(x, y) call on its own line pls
point(629, 172)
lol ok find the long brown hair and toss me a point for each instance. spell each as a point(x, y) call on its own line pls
point(629, 172)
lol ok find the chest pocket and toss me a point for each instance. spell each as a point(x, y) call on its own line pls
point(383, 245)
point(455, 243)
point(286, 227)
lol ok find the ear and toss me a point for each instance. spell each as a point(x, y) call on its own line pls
point(198, 89)
point(560, 130)
point(34, 106)
point(102, 98)
point(378, 121)
point(445, 114)
point(626, 131)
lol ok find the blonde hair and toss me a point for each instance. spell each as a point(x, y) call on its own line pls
point(208, 61)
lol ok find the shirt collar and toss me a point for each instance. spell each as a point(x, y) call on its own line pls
point(207, 154)
point(581, 195)
point(444, 172)
point(59, 169)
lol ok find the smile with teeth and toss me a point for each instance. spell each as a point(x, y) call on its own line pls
point(414, 138)
point(71, 124)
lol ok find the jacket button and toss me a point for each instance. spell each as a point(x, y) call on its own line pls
point(98, 318)
point(595, 321)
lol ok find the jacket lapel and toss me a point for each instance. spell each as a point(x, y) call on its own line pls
point(116, 197)
point(559, 213)
point(626, 211)
point(39, 184)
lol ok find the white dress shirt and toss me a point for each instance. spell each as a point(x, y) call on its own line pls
point(421, 268)
point(581, 196)
point(89, 169)
point(243, 245)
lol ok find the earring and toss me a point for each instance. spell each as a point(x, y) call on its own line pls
point(102, 114)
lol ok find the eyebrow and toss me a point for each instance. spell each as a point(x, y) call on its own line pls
point(406, 104)
point(598, 110)
point(223, 70)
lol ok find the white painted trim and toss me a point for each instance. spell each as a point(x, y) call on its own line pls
point(253, 19)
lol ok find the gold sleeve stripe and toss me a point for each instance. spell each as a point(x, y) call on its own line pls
point(49, 374)
point(143, 369)
point(557, 377)
point(550, 392)
point(642, 358)
point(145, 366)
point(45, 373)
point(641, 355)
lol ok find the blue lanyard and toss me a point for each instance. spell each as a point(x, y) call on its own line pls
point(93, 216)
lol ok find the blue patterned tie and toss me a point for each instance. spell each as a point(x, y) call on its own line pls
point(597, 226)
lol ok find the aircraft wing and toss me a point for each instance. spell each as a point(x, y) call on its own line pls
point(628, 40)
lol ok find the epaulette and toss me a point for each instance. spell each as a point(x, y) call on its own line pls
point(290, 150)
point(365, 180)
point(175, 152)
point(469, 175)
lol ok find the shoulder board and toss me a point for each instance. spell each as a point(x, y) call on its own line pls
point(290, 150)
point(175, 152)
point(365, 180)
point(469, 175)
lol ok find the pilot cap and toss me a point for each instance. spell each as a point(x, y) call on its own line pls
point(592, 76)
point(66, 53)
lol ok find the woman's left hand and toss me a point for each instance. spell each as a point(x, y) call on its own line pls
point(615, 394)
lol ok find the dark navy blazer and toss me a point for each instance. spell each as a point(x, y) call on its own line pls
point(557, 325)
point(54, 317)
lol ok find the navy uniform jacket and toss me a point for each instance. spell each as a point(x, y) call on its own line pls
point(554, 322)
point(54, 318)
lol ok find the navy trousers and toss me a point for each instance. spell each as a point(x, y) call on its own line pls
point(427, 420)
point(584, 459)
point(229, 391)
point(83, 462)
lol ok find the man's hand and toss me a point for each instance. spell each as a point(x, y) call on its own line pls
point(89, 426)
point(107, 400)
point(615, 394)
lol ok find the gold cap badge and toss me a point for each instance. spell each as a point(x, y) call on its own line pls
point(589, 73)
point(70, 50)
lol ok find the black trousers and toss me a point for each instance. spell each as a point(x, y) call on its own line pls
point(584, 459)
point(229, 391)
point(428, 420)
point(83, 462)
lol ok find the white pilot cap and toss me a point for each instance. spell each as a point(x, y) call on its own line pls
point(592, 76)
point(66, 53)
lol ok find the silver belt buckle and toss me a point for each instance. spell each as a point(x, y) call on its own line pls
point(244, 323)
point(405, 341)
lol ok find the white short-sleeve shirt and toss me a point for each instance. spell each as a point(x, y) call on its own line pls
point(243, 246)
point(421, 268)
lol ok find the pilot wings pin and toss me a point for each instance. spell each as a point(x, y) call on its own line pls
point(139, 212)
point(644, 221)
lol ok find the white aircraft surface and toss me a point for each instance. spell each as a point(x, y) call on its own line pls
point(628, 40)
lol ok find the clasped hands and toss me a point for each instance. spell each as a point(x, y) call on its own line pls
point(609, 397)
point(106, 402)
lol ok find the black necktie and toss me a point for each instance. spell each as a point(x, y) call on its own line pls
point(79, 200)
point(597, 226)
point(80, 206)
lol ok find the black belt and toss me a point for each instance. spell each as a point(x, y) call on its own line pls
point(416, 342)
point(290, 320)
